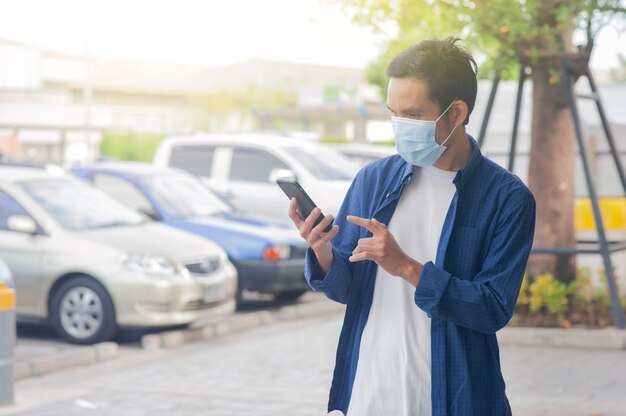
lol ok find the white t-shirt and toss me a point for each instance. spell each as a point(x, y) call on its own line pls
point(393, 371)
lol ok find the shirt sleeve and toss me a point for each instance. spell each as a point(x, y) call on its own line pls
point(486, 302)
point(336, 283)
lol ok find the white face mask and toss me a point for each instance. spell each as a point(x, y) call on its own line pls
point(415, 139)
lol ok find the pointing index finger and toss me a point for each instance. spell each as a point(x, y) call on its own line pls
point(363, 222)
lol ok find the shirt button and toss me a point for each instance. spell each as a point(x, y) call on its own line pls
point(387, 196)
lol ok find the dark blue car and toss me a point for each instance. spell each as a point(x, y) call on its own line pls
point(269, 257)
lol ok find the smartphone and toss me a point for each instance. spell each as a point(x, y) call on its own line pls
point(292, 188)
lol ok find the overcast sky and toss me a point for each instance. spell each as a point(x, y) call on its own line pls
point(212, 32)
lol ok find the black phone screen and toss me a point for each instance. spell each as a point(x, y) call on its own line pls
point(292, 188)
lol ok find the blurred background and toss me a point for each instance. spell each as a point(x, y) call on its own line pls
point(79, 79)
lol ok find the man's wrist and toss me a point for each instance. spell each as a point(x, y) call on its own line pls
point(413, 272)
point(324, 258)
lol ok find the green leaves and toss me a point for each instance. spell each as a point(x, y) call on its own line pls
point(549, 294)
point(505, 31)
point(129, 146)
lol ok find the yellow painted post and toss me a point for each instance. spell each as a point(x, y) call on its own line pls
point(7, 342)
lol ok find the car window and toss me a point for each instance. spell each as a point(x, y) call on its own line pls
point(195, 159)
point(123, 191)
point(184, 196)
point(324, 163)
point(253, 165)
point(9, 207)
point(77, 205)
point(360, 159)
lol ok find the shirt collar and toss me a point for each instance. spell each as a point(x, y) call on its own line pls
point(466, 172)
point(463, 175)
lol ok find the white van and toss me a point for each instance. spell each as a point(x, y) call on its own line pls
point(243, 168)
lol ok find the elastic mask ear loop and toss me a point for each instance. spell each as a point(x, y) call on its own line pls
point(445, 111)
point(449, 135)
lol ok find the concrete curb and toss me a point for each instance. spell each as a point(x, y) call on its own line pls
point(596, 339)
point(237, 323)
point(37, 366)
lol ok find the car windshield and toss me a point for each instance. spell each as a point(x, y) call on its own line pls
point(184, 196)
point(323, 163)
point(77, 206)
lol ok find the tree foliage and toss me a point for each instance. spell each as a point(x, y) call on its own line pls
point(501, 33)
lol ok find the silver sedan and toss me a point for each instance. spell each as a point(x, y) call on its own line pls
point(88, 264)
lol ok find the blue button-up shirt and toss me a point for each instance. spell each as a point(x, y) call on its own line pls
point(469, 291)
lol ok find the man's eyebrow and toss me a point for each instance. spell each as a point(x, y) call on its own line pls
point(410, 110)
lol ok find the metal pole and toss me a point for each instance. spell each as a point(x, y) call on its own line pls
point(7, 341)
point(492, 96)
point(87, 84)
point(607, 130)
point(618, 314)
point(518, 105)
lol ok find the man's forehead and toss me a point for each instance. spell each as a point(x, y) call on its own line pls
point(409, 83)
point(408, 92)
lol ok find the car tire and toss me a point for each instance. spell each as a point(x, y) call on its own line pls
point(289, 295)
point(82, 312)
point(239, 294)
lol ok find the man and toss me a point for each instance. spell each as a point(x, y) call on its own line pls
point(428, 252)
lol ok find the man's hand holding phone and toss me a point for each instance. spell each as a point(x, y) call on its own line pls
point(314, 234)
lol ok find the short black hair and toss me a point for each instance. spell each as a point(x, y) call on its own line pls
point(448, 69)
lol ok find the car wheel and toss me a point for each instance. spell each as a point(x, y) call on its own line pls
point(82, 311)
point(239, 294)
point(289, 295)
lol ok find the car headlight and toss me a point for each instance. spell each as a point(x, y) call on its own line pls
point(152, 264)
point(276, 252)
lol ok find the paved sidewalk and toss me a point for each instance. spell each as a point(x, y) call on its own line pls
point(286, 369)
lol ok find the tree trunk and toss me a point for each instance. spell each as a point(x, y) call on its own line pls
point(551, 172)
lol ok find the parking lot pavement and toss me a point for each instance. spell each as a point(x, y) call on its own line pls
point(39, 350)
point(279, 369)
point(286, 369)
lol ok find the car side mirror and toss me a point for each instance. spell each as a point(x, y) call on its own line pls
point(21, 224)
point(283, 174)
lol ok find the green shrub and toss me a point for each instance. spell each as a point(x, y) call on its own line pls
point(549, 294)
point(580, 290)
point(129, 146)
point(546, 301)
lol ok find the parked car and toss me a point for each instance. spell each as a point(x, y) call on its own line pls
point(5, 274)
point(89, 264)
point(363, 153)
point(243, 169)
point(269, 257)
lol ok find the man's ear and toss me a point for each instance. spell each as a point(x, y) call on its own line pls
point(458, 112)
